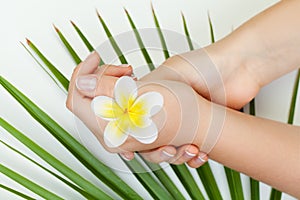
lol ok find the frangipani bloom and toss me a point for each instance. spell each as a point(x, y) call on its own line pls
point(128, 114)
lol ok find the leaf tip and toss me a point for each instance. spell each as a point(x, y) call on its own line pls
point(73, 24)
point(98, 14)
point(28, 41)
point(126, 11)
point(151, 5)
point(56, 29)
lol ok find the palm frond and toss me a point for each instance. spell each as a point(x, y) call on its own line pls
point(28, 184)
point(68, 183)
point(160, 34)
point(17, 193)
point(140, 42)
point(58, 75)
point(58, 165)
point(85, 41)
point(99, 169)
point(155, 190)
point(112, 41)
point(187, 33)
point(67, 45)
point(188, 181)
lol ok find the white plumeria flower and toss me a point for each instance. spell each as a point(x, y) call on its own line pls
point(128, 114)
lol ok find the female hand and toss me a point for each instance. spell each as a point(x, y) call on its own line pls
point(180, 102)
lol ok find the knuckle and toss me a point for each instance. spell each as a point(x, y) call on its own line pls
point(172, 60)
point(69, 105)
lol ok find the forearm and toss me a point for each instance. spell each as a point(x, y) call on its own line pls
point(266, 150)
point(267, 46)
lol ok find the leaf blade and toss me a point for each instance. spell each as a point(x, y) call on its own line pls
point(58, 165)
point(112, 40)
point(13, 191)
point(59, 76)
point(160, 34)
point(209, 182)
point(154, 189)
point(99, 169)
point(70, 49)
point(28, 183)
point(188, 181)
point(140, 42)
point(79, 190)
point(85, 40)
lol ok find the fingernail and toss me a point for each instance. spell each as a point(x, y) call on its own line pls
point(202, 158)
point(166, 156)
point(124, 65)
point(189, 154)
point(86, 83)
point(133, 77)
point(89, 56)
point(124, 156)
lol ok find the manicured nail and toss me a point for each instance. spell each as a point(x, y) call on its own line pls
point(202, 158)
point(166, 156)
point(89, 56)
point(189, 154)
point(124, 65)
point(124, 156)
point(133, 76)
point(86, 83)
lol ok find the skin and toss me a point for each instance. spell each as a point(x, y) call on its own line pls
point(257, 53)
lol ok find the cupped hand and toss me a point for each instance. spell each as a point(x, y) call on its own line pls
point(89, 81)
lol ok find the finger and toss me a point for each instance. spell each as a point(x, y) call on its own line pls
point(161, 154)
point(88, 85)
point(198, 161)
point(89, 65)
point(113, 70)
point(184, 154)
point(127, 156)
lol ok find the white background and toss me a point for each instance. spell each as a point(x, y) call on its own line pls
point(33, 19)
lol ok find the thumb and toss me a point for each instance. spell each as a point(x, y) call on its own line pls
point(92, 85)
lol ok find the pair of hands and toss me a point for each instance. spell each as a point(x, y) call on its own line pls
point(88, 81)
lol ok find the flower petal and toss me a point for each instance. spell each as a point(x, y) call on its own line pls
point(145, 135)
point(106, 108)
point(125, 92)
point(148, 103)
point(113, 135)
point(140, 121)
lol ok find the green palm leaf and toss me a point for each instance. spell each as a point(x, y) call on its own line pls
point(155, 190)
point(140, 42)
point(17, 193)
point(58, 165)
point(79, 151)
point(165, 180)
point(28, 184)
point(58, 75)
point(187, 33)
point(85, 41)
point(112, 41)
point(188, 181)
point(160, 34)
point(68, 46)
point(79, 190)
